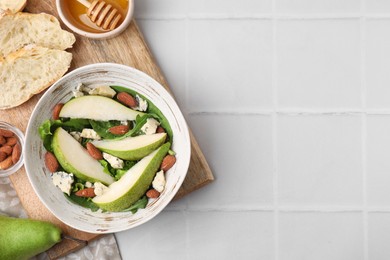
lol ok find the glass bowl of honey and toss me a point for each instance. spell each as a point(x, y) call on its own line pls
point(96, 19)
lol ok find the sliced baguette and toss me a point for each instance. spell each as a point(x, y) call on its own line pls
point(13, 5)
point(29, 71)
point(18, 30)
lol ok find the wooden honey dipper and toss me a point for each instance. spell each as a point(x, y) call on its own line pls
point(102, 14)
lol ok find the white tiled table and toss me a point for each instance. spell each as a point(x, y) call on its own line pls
point(290, 102)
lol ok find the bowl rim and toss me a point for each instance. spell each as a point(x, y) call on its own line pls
point(104, 35)
point(171, 101)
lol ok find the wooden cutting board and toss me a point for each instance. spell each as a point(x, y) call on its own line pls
point(130, 49)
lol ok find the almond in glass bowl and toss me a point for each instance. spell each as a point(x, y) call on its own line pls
point(11, 149)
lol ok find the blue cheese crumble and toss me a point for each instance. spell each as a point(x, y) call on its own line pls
point(63, 180)
point(150, 126)
point(142, 104)
point(115, 162)
point(90, 133)
point(159, 181)
point(99, 188)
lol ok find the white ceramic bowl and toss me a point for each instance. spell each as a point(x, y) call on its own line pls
point(71, 24)
point(83, 218)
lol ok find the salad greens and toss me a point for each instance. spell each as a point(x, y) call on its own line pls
point(152, 110)
point(48, 127)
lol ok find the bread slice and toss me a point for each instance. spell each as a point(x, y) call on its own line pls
point(29, 71)
point(13, 5)
point(18, 30)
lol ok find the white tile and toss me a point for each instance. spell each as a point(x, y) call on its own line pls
point(164, 237)
point(178, 204)
point(378, 236)
point(230, 235)
point(230, 6)
point(377, 63)
point(166, 40)
point(230, 63)
point(318, 63)
point(320, 236)
point(319, 160)
point(377, 6)
point(239, 151)
point(158, 8)
point(317, 6)
point(378, 163)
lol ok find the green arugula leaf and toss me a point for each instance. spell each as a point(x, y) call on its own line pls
point(140, 204)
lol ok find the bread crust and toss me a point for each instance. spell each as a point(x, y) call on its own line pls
point(13, 6)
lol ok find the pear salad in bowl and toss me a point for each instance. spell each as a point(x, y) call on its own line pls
point(106, 148)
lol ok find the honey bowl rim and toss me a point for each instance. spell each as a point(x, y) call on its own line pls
point(101, 35)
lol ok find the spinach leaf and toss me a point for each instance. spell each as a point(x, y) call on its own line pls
point(140, 204)
point(74, 124)
point(101, 127)
point(84, 202)
point(152, 109)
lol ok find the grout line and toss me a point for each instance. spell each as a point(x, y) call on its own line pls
point(364, 127)
point(187, 100)
point(297, 209)
point(215, 16)
point(187, 64)
point(275, 132)
point(298, 112)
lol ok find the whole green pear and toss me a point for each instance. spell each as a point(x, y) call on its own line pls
point(24, 238)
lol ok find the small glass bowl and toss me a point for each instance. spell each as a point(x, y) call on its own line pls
point(20, 136)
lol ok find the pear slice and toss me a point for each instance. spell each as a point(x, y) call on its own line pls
point(131, 148)
point(97, 108)
point(133, 184)
point(74, 158)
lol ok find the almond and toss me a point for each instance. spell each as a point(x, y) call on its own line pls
point(94, 152)
point(2, 140)
point(126, 99)
point(51, 162)
point(16, 152)
point(152, 193)
point(119, 129)
point(3, 155)
point(6, 149)
point(57, 110)
point(160, 129)
point(11, 141)
point(168, 162)
point(6, 163)
point(86, 193)
point(6, 133)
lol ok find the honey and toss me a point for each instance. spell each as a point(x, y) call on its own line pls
point(77, 14)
